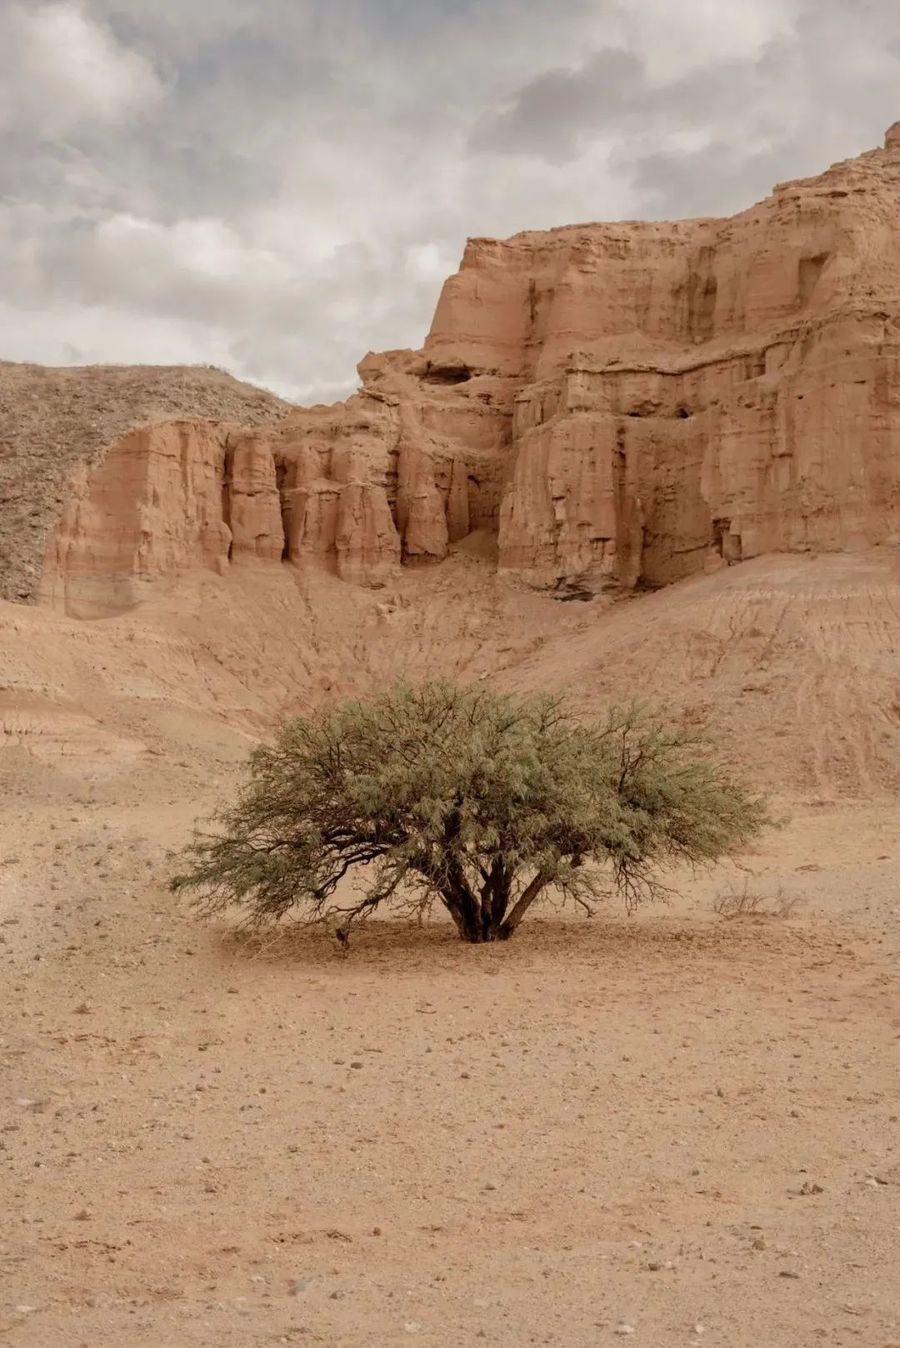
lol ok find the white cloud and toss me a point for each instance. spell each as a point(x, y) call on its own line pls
point(192, 252)
point(62, 333)
point(675, 39)
point(426, 262)
point(66, 69)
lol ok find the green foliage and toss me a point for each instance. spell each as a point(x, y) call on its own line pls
point(476, 799)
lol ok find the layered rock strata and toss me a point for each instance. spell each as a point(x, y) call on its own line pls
point(57, 424)
point(617, 405)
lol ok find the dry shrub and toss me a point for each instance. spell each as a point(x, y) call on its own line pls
point(748, 901)
point(482, 801)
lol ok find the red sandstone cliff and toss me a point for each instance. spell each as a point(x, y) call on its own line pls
point(613, 405)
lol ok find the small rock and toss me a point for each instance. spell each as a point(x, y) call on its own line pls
point(624, 1329)
point(82, 1009)
point(412, 1327)
point(787, 1273)
point(26, 1310)
point(356, 1066)
point(82, 1216)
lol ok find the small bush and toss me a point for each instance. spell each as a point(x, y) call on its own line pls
point(747, 902)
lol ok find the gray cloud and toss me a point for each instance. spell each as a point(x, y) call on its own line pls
point(554, 113)
point(718, 136)
point(279, 187)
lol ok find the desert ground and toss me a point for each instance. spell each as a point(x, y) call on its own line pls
point(680, 1128)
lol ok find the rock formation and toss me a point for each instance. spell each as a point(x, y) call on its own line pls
point(57, 424)
point(618, 405)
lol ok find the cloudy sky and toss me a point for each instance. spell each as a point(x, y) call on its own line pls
point(278, 186)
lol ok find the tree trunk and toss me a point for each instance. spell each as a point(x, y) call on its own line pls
point(481, 920)
point(473, 920)
point(476, 934)
point(520, 908)
point(476, 926)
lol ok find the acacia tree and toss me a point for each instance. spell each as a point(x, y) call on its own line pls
point(471, 798)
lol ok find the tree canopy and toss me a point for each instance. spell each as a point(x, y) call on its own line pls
point(475, 799)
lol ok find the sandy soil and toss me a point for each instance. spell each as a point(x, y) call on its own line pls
point(790, 660)
point(667, 1123)
point(678, 1125)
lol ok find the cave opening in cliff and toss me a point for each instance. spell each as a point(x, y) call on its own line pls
point(568, 591)
point(446, 374)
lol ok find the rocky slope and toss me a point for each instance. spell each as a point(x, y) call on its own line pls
point(788, 661)
point(55, 425)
